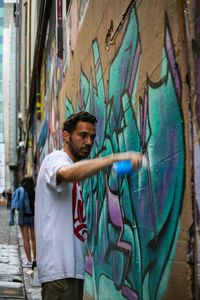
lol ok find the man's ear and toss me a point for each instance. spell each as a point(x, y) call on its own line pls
point(65, 136)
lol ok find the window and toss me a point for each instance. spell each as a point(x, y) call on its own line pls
point(1, 126)
point(1, 137)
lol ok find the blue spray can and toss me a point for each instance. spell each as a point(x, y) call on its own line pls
point(124, 167)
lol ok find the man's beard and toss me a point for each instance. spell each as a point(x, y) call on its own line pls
point(74, 152)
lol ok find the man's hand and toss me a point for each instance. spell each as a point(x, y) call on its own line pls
point(135, 157)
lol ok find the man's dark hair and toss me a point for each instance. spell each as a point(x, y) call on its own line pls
point(70, 124)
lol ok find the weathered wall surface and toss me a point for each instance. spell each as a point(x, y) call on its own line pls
point(192, 18)
point(127, 64)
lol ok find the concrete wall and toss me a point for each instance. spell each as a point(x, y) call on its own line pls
point(129, 65)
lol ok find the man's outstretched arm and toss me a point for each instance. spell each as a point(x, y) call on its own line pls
point(86, 168)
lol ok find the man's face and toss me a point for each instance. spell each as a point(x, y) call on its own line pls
point(81, 140)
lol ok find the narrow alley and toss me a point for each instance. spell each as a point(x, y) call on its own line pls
point(133, 66)
point(15, 282)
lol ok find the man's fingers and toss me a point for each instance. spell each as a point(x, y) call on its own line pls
point(136, 160)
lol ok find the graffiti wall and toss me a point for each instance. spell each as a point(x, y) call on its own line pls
point(49, 126)
point(134, 221)
point(126, 64)
point(47, 120)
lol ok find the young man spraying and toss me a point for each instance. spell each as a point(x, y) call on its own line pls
point(60, 223)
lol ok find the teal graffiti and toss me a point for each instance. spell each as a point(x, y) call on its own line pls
point(133, 221)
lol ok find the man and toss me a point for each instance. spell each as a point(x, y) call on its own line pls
point(60, 223)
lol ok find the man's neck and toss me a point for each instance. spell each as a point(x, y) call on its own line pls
point(66, 149)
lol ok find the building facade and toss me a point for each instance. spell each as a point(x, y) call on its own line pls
point(135, 65)
point(2, 141)
point(10, 107)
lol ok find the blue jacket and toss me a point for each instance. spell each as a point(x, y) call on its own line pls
point(20, 201)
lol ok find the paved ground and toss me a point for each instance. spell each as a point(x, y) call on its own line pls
point(15, 282)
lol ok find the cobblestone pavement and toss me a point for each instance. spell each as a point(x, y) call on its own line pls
point(15, 282)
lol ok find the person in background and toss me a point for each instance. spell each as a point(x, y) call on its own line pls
point(60, 222)
point(23, 200)
point(3, 197)
point(9, 197)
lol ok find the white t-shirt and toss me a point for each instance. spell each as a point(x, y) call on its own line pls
point(60, 224)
